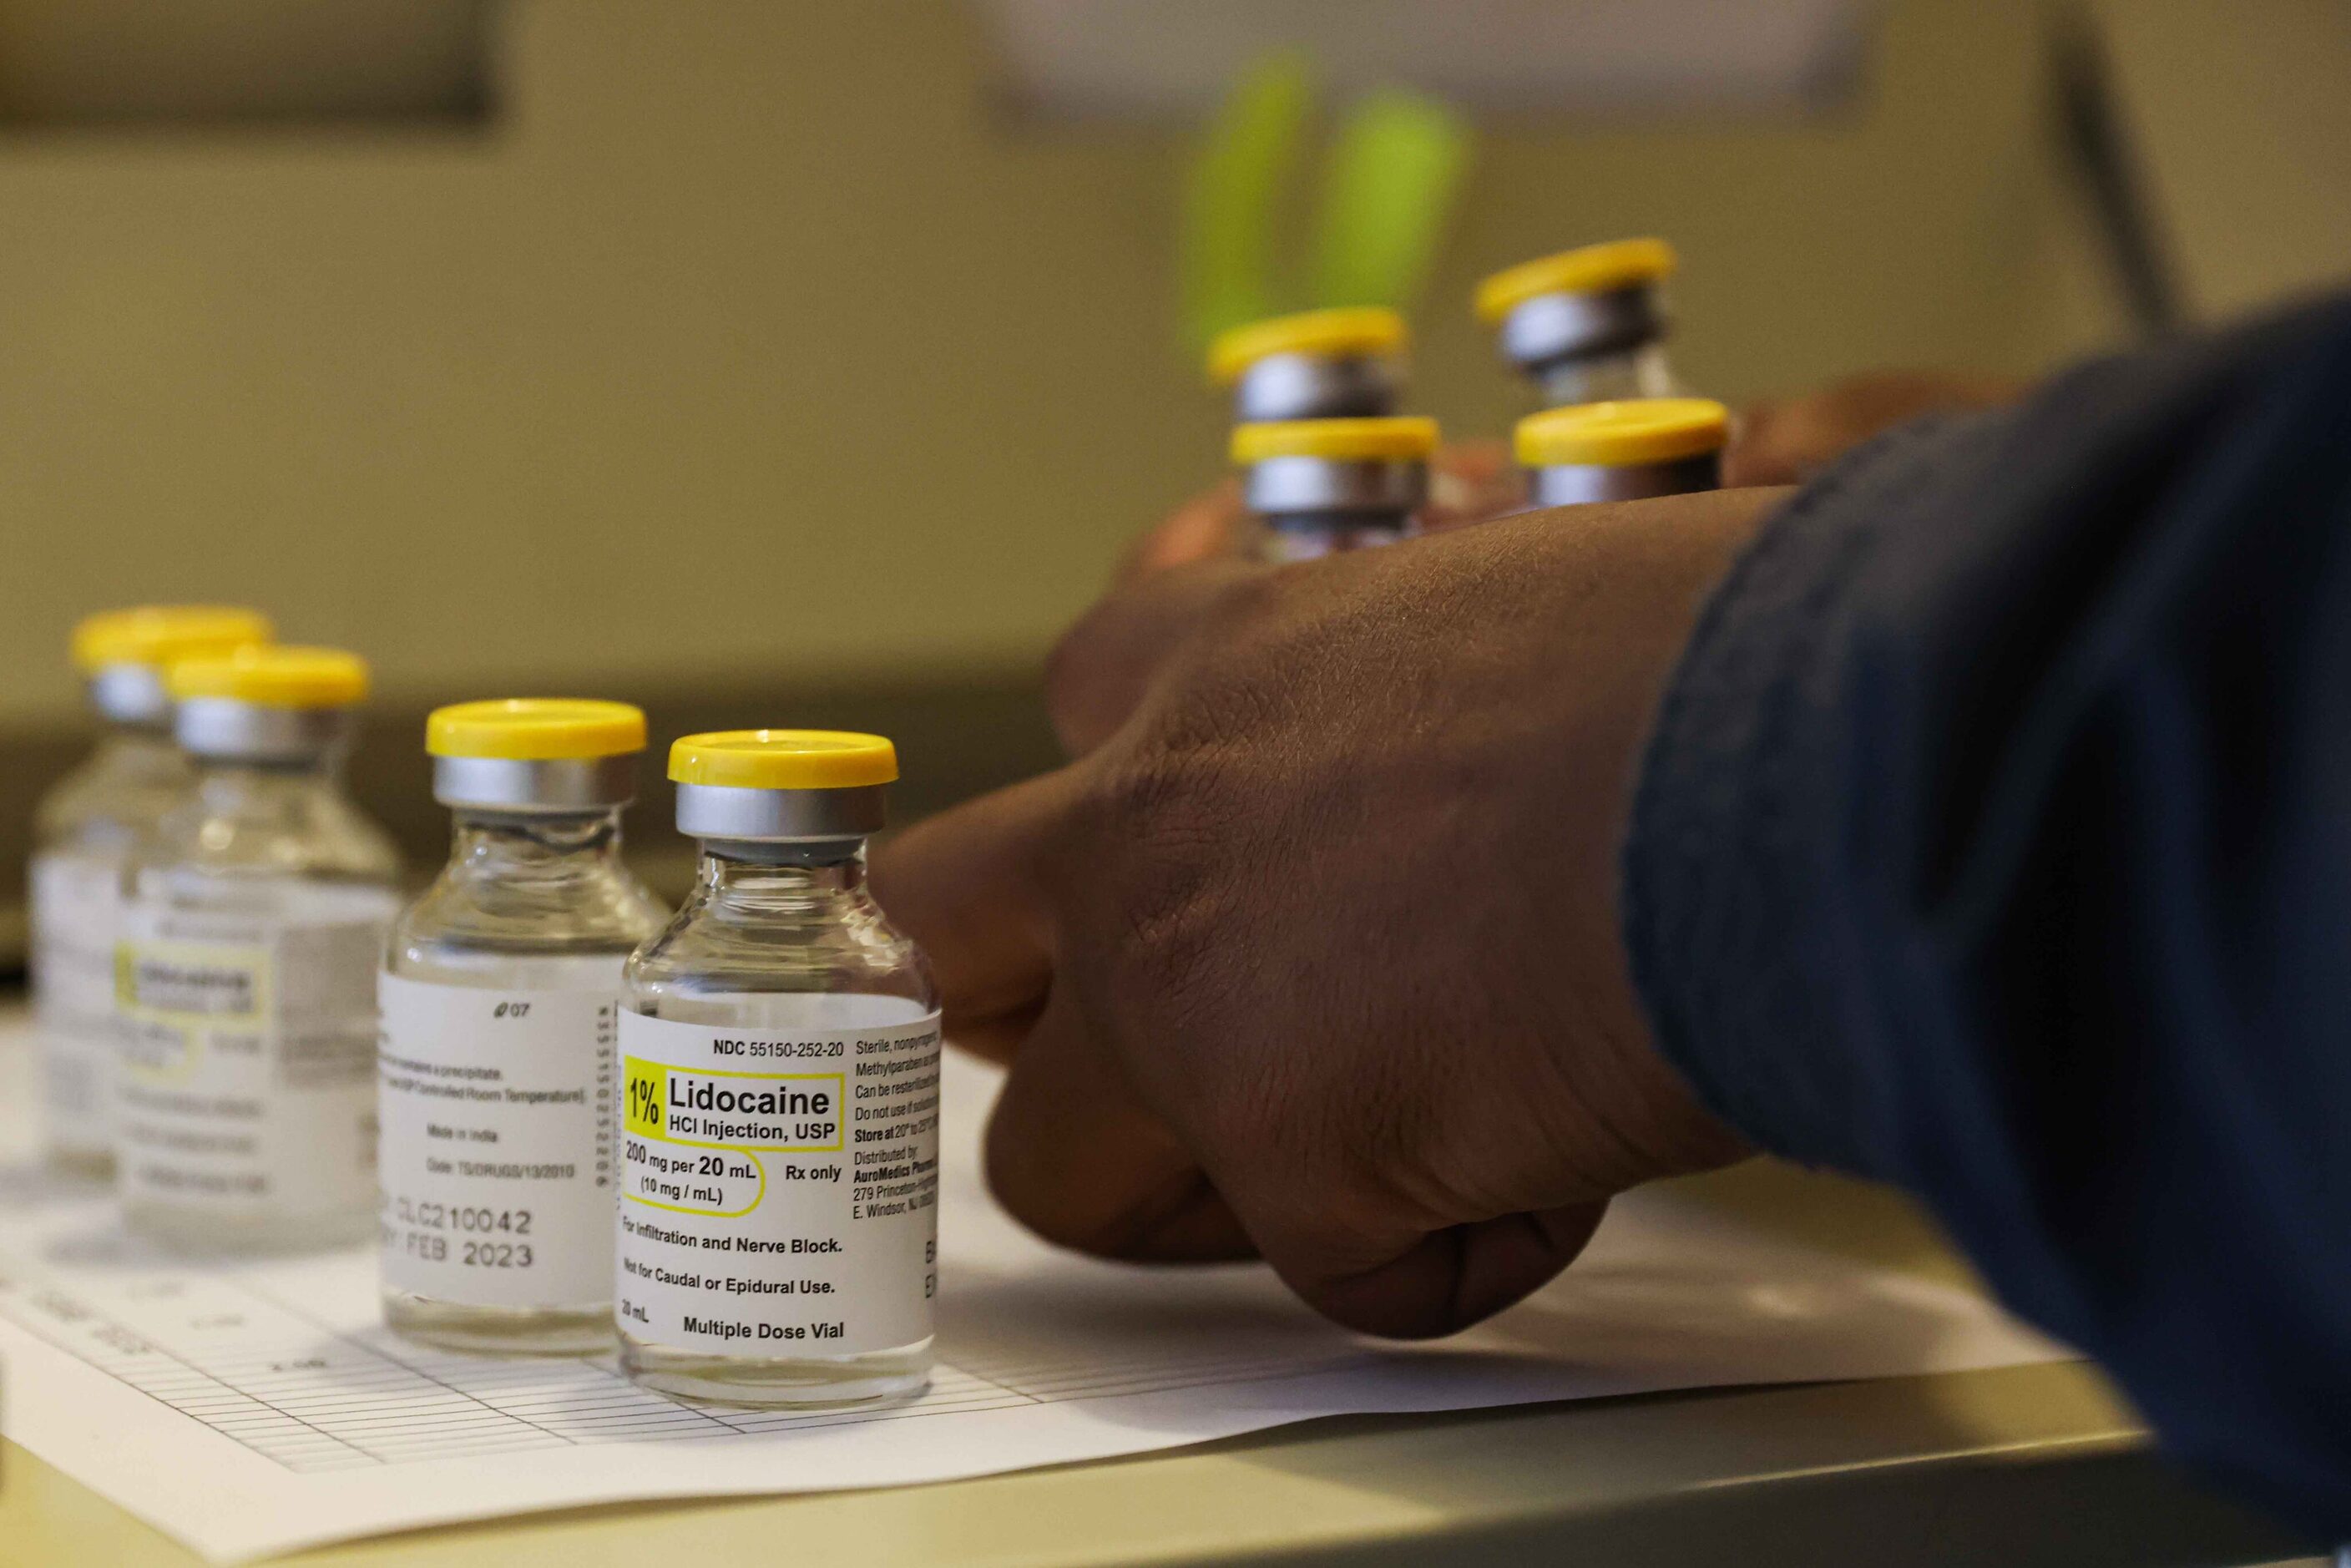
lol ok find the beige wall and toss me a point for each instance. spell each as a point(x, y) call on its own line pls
point(755, 342)
point(2246, 129)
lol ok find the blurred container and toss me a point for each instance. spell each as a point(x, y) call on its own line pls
point(1320, 365)
point(255, 921)
point(1586, 325)
point(1627, 451)
point(84, 829)
point(1317, 486)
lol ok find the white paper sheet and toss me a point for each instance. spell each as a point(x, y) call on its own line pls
point(254, 1408)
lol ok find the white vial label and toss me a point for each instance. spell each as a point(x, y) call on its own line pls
point(496, 1158)
point(76, 913)
point(779, 1187)
point(247, 1081)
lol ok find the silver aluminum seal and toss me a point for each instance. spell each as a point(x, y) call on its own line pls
point(1314, 386)
point(1576, 484)
point(1551, 327)
point(130, 694)
point(225, 726)
point(512, 784)
point(1310, 536)
point(1280, 484)
point(726, 811)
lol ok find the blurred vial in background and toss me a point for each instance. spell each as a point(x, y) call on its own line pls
point(500, 994)
point(83, 830)
point(1320, 365)
point(1588, 325)
point(778, 1011)
point(1625, 451)
point(254, 918)
point(1317, 486)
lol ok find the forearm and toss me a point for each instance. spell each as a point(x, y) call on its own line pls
point(1992, 839)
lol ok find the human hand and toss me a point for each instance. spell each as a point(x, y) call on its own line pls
point(1785, 441)
point(1316, 957)
point(1127, 635)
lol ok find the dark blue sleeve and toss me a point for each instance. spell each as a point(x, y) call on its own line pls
point(1995, 841)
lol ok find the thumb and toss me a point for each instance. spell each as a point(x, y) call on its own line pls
point(1446, 1279)
point(1074, 1155)
point(969, 886)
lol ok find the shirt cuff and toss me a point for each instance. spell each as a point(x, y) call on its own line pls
point(1731, 915)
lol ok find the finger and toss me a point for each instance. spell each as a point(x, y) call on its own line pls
point(1202, 528)
point(1470, 482)
point(1100, 671)
point(1474, 463)
point(996, 1038)
point(1446, 1281)
point(1073, 1154)
point(1788, 441)
point(1770, 441)
point(969, 885)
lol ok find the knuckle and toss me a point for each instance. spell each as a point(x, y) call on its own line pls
point(1070, 666)
point(1163, 863)
point(1164, 802)
point(1069, 656)
point(1246, 603)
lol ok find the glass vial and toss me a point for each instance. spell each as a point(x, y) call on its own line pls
point(83, 830)
point(1318, 365)
point(1586, 325)
point(500, 997)
point(780, 1042)
point(254, 918)
point(1317, 486)
point(1628, 451)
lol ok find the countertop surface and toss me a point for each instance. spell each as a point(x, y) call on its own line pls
point(2022, 1464)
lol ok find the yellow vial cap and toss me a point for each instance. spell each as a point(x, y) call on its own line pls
point(1620, 434)
point(273, 677)
point(1400, 437)
point(536, 729)
point(1353, 331)
point(1590, 269)
point(784, 760)
point(158, 634)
